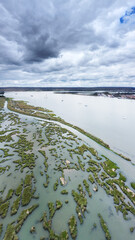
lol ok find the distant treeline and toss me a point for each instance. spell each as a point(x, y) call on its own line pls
point(69, 89)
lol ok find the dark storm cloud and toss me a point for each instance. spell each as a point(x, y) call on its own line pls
point(40, 48)
point(41, 29)
point(28, 30)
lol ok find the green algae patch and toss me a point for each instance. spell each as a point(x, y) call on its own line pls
point(104, 227)
point(47, 225)
point(27, 193)
point(1, 228)
point(91, 179)
point(4, 209)
point(9, 194)
point(41, 173)
point(132, 229)
point(94, 166)
point(110, 167)
point(103, 176)
point(6, 152)
point(51, 209)
point(55, 186)
point(94, 153)
point(4, 169)
point(47, 181)
point(64, 236)
point(81, 202)
point(87, 187)
point(15, 206)
point(122, 177)
point(28, 180)
point(130, 194)
point(46, 158)
point(119, 198)
point(19, 189)
point(81, 165)
point(133, 185)
point(7, 138)
point(58, 204)
point(26, 196)
point(10, 233)
point(23, 216)
point(64, 192)
point(72, 223)
point(2, 102)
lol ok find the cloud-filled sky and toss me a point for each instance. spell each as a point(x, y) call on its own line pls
point(67, 43)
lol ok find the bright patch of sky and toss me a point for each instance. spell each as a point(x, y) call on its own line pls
point(129, 15)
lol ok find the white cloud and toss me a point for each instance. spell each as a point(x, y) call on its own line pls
point(66, 43)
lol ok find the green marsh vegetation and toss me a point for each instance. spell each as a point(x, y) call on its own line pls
point(1, 228)
point(55, 186)
point(27, 193)
point(81, 202)
point(73, 227)
point(133, 185)
point(64, 192)
point(87, 187)
point(2, 102)
point(15, 206)
point(109, 167)
point(14, 228)
point(132, 229)
point(47, 225)
point(104, 227)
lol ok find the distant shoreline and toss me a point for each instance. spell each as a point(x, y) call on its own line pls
point(120, 95)
point(70, 89)
point(113, 92)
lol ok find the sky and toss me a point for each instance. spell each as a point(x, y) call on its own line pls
point(67, 43)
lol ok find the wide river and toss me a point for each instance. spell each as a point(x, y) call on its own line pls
point(111, 119)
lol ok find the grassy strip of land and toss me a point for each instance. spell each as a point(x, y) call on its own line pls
point(81, 202)
point(133, 185)
point(1, 228)
point(15, 206)
point(104, 227)
point(2, 101)
point(72, 223)
point(110, 167)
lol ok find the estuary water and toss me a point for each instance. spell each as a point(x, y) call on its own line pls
point(110, 119)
